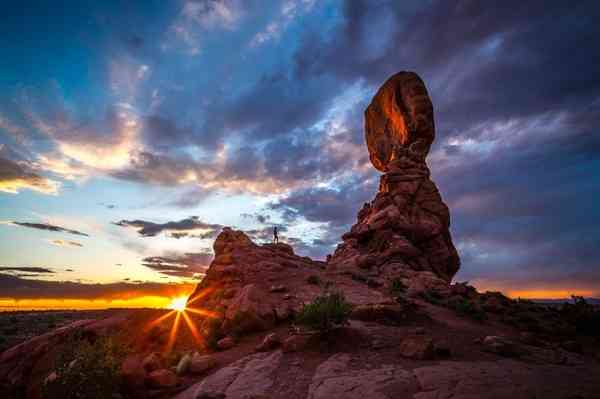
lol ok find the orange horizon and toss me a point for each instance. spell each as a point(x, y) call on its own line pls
point(164, 302)
point(159, 302)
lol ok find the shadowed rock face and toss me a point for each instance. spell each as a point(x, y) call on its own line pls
point(399, 120)
point(406, 226)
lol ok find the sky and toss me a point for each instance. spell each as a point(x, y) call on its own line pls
point(131, 132)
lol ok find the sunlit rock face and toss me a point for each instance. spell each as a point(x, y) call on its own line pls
point(399, 121)
point(406, 226)
point(246, 286)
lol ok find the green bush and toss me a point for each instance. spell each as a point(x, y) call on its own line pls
point(470, 309)
point(397, 287)
point(325, 312)
point(313, 279)
point(432, 297)
point(87, 370)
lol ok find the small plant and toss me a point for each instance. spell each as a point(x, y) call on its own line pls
point(87, 370)
point(432, 297)
point(469, 309)
point(326, 312)
point(313, 279)
point(397, 287)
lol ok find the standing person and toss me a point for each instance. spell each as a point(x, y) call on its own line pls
point(275, 236)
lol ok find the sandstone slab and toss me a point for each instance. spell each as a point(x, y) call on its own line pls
point(336, 378)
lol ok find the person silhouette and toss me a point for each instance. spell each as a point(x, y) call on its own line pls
point(275, 236)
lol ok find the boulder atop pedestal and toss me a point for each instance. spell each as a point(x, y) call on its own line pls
point(399, 120)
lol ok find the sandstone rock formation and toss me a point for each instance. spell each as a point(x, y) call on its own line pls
point(238, 287)
point(401, 236)
point(399, 120)
point(406, 226)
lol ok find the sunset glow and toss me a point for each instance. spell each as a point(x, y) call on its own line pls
point(181, 311)
point(178, 304)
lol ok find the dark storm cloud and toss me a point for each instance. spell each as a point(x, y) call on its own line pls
point(335, 206)
point(517, 105)
point(192, 227)
point(15, 287)
point(162, 133)
point(515, 90)
point(479, 60)
point(26, 269)
point(529, 209)
point(190, 265)
point(158, 169)
point(48, 227)
point(15, 176)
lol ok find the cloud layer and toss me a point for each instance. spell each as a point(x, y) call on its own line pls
point(47, 227)
point(264, 102)
point(189, 227)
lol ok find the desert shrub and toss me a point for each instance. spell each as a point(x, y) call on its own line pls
point(397, 287)
point(584, 317)
point(468, 308)
point(432, 297)
point(327, 311)
point(87, 369)
point(313, 279)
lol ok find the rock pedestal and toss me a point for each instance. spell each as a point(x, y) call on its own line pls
point(406, 226)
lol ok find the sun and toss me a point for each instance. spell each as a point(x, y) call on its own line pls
point(178, 303)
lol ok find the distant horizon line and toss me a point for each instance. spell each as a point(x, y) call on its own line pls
point(14, 308)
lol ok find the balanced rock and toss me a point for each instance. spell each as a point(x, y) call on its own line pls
point(399, 120)
point(406, 226)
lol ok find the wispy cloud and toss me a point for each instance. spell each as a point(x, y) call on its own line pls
point(189, 265)
point(26, 269)
point(46, 226)
point(66, 243)
point(190, 227)
point(290, 9)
